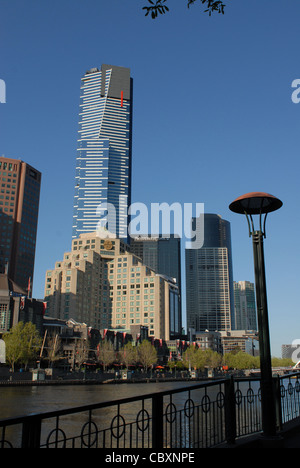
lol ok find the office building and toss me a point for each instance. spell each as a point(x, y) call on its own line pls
point(206, 340)
point(291, 351)
point(19, 204)
point(244, 305)
point(209, 279)
point(103, 164)
point(240, 340)
point(162, 254)
point(105, 286)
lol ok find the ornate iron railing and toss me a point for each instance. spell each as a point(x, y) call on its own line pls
point(198, 416)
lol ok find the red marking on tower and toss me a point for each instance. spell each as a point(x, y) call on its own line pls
point(121, 98)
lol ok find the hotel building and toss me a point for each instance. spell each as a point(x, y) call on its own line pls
point(105, 286)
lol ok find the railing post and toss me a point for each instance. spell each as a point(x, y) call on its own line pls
point(230, 411)
point(157, 421)
point(277, 398)
point(31, 432)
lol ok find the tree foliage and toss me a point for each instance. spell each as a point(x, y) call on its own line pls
point(128, 355)
point(196, 358)
point(106, 354)
point(23, 343)
point(240, 360)
point(147, 354)
point(161, 8)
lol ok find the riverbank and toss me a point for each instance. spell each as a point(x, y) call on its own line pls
point(95, 382)
point(17, 379)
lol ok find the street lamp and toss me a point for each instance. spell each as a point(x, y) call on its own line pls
point(259, 203)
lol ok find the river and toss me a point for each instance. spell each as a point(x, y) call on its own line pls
point(180, 409)
point(21, 401)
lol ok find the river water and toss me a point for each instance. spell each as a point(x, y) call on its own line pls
point(21, 401)
point(179, 409)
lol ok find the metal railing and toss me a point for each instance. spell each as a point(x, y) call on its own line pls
point(198, 416)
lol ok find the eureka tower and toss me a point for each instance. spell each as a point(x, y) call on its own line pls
point(103, 164)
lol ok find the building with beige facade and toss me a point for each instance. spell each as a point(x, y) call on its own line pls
point(103, 285)
point(240, 340)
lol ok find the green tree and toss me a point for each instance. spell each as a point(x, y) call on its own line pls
point(178, 365)
point(240, 360)
point(282, 362)
point(161, 8)
point(22, 344)
point(193, 358)
point(212, 359)
point(147, 354)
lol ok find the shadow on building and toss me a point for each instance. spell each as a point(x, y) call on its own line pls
point(16, 307)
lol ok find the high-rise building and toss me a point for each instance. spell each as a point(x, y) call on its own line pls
point(163, 255)
point(209, 278)
point(19, 205)
point(103, 165)
point(244, 305)
point(105, 286)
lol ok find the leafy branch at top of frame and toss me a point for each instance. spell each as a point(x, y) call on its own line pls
point(160, 8)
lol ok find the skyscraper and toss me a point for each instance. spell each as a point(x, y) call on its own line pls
point(19, 205)
point(162, 254)
point(244, 305)
point(103, 165)
point(209, 278)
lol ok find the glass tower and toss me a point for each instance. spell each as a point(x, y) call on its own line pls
point(103, 164)
point(162, 254)
point(245, 305)
point(209, 279)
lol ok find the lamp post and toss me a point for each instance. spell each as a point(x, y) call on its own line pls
point(260, 203)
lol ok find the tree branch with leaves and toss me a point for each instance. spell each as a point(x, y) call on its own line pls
point(22, 344)
point(160, 7)
point(147, 355)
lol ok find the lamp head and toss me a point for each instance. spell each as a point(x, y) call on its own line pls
point(255, 203)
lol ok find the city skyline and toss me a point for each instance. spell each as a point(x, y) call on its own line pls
point(213, 118)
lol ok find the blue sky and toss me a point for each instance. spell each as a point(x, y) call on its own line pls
point(213, 117)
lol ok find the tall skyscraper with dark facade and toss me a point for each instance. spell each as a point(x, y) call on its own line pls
point(162, 254)
point(245, 305)
point(209, 278)
point(103, 165)
point(19, 205)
